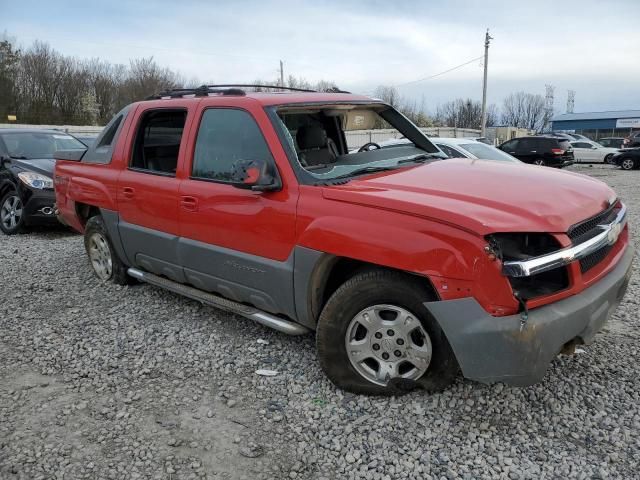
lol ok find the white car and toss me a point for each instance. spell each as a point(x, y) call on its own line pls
point(463, 148)
point(587, 151)
point(470, 148)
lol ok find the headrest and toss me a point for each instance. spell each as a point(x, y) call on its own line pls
point(311, 136)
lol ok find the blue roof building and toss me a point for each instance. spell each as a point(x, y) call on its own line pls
point(598, 124)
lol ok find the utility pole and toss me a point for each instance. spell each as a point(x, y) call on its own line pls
point(487, 40)
point(281, 74)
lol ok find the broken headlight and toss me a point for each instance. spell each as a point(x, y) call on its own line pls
point(523, 246)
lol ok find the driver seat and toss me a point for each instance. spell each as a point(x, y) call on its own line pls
point(315, 147)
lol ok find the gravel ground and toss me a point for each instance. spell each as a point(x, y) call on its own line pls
point(104, 382)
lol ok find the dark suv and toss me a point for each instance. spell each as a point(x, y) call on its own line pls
point(550, 151)
point(26, 176)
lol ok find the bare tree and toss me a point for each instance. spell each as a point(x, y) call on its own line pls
point(524, 110)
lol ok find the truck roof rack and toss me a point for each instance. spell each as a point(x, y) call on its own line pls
point(227, 89)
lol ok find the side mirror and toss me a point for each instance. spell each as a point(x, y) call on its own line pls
point(256, 175)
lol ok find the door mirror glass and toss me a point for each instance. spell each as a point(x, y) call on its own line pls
point(255, 175)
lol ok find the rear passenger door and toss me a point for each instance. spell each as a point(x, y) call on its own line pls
point(148, 191)
point(234, 241)
point(528, 149)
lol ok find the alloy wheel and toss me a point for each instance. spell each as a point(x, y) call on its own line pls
point(627, 164)
point(384, 342)
point(538, 161)
point(11, 212)
point(100, 256)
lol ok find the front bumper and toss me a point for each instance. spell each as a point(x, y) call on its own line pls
point(496, 349)
point(40, 207)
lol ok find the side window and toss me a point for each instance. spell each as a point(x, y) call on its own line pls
point(451, 152)
point(510, 145)
point(158, 140)
point(581, 145)
point(526, 144)
point(225, 137)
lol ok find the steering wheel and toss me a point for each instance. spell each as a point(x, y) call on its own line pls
point(368, 147)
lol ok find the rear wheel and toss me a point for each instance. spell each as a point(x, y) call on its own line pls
point(607, 159)
point(627, 164)
point(11, 213)
point(539, 161)
point(104, 260)
point(375, 336)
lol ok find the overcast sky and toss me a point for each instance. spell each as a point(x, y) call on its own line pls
point(588, 46)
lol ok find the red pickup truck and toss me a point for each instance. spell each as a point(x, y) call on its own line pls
point(409, 267)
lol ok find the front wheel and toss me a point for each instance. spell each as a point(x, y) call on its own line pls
point(539, 161)
point(375, 336)
point(104, 260)
point(628, 164)
point(607, 159)
point(11, 213)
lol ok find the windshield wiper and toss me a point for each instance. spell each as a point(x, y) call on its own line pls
point(420, 158)
point(360, 171)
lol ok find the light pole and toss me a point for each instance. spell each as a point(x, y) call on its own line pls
point(487, 40)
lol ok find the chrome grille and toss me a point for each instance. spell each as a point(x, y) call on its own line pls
point(583, 231)
point(590, 261)
point(587, 229)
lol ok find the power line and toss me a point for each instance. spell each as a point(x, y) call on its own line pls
point(441, 73)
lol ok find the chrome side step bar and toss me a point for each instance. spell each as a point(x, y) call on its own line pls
point(252, 313)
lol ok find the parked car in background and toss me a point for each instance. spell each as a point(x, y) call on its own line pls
point(586, 151)
point(550, 151)
point(627, 158)
point(470, 148)
point(461, 148)
point(26, 176)
point(612, 142)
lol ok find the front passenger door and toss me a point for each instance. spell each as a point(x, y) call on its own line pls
point(234, 241)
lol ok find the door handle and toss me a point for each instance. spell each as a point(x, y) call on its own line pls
point(128, 192)
point(189, 203)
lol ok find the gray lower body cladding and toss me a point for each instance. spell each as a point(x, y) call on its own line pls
point(496, 349)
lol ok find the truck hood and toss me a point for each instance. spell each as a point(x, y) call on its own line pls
point(38, 165)
point(482, 196)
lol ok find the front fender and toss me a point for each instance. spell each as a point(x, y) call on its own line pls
point(453, 259)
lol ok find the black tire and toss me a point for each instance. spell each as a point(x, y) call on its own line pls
point(539, 161)
point(9, 223)
point(94, 230)
point(374, 287)
point(625, 164)
point(607, 159)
